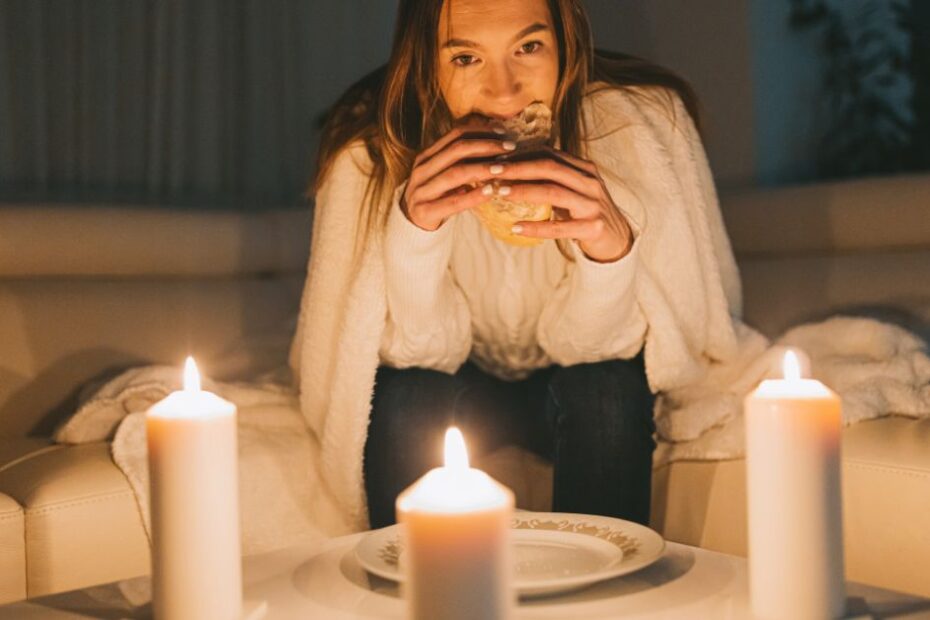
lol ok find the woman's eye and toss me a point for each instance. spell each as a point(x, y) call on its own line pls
point(530, 47)
point(463, 60)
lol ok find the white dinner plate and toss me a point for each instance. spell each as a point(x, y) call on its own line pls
point(553, 552)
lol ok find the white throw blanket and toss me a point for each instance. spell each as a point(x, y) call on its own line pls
point(282, 499)
point(877, 368)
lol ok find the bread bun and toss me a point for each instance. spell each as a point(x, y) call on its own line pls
point(530, 130)
point(532, 126)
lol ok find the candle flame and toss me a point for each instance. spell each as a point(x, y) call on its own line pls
point(791, 366)
point(191, 375)
point(456, 453)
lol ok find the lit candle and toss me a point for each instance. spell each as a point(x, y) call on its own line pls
point(456, 557)
point(193, 482)
point(794, 507)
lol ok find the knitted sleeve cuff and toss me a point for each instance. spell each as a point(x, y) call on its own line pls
point(403, 237)
point(616, 276)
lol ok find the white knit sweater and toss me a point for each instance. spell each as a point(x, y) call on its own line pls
point(458, 292)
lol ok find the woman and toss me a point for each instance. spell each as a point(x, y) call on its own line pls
point(559, 347)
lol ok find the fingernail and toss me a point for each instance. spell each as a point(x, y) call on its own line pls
point(516, 229)
point(496, 168)
point(503, 190)
point(487, 190)
point(509, 145)
point(498, 130)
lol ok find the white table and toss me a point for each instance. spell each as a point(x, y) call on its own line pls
point(324, 581)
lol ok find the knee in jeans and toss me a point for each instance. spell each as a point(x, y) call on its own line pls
point(588, 389)
point(413, 378)
point(416, 376)
point(410, 393)
point(603, 375)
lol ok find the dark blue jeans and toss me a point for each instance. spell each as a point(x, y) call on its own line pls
point(593, 421)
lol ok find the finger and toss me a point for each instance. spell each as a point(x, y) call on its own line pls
point(582, 230)
point(447, 206)
point(579, 206)
point(471, 124)
point(441, 143)
point(457, 175)
point(463, 148)
point(549, 169)
point(582, 165)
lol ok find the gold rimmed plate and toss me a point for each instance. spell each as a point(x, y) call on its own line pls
point(553, 552)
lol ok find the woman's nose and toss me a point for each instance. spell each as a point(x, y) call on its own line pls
point(502, 84)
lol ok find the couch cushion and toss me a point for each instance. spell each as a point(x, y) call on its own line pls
point(133, 240)
point(12, 551)
point(13, 449)
point(862, 215)
point(809, 251)
point(785, 291)
point(77, 505)
point(887, 489)
point(886, 500)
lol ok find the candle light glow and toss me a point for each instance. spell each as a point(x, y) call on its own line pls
point(792, 385)
point(191, 375)
point(456, 455)
point(456, 487)
point(791, 367)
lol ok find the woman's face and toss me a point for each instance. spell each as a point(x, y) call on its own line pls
point(496, 56)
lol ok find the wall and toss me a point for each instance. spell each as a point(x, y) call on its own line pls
point(708, 43)
point(760, 81)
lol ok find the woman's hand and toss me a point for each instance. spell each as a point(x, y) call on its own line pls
point(575, 186)
point(443, 182)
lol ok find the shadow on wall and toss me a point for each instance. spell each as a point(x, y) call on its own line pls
point(55, 406)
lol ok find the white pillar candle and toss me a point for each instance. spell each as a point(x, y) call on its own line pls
point(794, 506)
point(194, 496)
point(457, 556)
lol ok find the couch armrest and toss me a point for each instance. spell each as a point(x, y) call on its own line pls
point(12, 551)
point(77, 505)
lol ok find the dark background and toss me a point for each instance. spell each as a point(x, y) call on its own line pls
point(214, 103)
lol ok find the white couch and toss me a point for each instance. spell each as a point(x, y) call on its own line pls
point(88, 291)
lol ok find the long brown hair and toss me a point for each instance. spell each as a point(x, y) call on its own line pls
point(397, 110)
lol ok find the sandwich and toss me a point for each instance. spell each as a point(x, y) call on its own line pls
point(530, 130)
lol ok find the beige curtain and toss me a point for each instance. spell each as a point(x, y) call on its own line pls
point(212, 102)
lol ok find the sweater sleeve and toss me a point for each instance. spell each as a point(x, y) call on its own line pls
point(429, 323)
point(593, 314)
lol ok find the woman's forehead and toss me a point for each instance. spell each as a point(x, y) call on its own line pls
point(472, 20)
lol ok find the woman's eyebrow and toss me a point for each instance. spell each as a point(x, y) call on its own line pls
point(467, 43)
point(530, 30)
